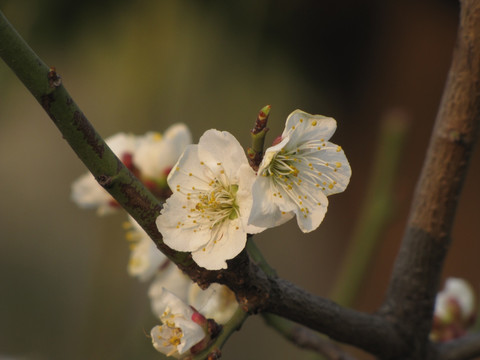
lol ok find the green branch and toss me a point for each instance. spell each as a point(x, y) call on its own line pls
point(46, 86)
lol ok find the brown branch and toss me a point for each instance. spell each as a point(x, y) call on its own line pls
point(415, 277)
point(306, 338)
point(464, 348)
point(369, 332)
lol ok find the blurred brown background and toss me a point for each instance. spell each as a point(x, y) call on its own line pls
point(139, 66)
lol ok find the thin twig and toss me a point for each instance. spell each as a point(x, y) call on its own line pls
point(306, 338)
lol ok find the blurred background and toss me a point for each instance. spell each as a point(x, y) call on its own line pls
point(140, 66)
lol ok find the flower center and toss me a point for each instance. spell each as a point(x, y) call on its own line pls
point(169, 334)
point(211, 205)
point(219, 203)
point(297, 170)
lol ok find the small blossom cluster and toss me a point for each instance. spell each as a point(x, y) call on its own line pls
point(454, 311)
point(214, 198)
point(150, 157)
point(183, 308)
point(218, 198)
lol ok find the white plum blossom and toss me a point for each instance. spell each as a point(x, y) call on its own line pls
point(87, 193)
point(145, 257)
point(156, 154)
point(216, 302)
point(298, 173)
point(169, 277)
point(150, 157)
point(178, 332)
point(208, 212)
point(456, 292)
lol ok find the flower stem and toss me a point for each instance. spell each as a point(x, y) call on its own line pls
point(234, 324)
point(376, 211)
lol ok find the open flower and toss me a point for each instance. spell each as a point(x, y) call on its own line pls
point(298, 173)
point(150, 157)
point(169, 277)
point(145, 258)
point(156, 154)
point(216, 302)
point(208, 212)
point(178, 332)
point(87, 193)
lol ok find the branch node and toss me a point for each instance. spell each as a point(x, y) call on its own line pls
point(54, 80)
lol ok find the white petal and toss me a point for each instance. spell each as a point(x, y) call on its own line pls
point(180, 135)
point(180, 314)
point(462, 291)
point(192, 334)
point(336, 176)
point(314, 212)
point(303, 127)
point(221, 151)
point(172, 279)
point(174, 304)
point(189, 171)
point(145, 258)
point(87, 193)
point(230, 241)
point(122, 143)
point(156, 155)
point(216, 302)
point(244, 197)
point(266, 210)
point(176, 228)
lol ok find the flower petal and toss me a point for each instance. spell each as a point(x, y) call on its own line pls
point(302, 126)
point(177, 229)
point(87, 193)
point(229, 241)
point(222, 152)
point(189, 172)
point(270, 208)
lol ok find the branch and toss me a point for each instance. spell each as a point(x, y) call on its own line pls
point(464, 348)
point(254, 289)
point(306, 338)
point(370, 332)
point(418, 266)
point(297, 334)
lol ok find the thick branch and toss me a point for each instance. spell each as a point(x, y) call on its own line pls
point(415, 278)
point(369, 332)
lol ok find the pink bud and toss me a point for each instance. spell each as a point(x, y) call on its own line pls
point(127, 160)
point(199, 318)
point(277, 140)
